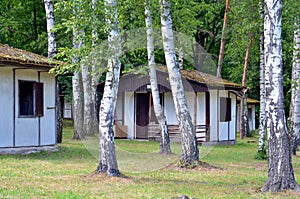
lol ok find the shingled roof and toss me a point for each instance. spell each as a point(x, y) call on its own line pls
point(18, 57)
point(204, 78)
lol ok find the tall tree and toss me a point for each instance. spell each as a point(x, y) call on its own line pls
point(51, 53)
point(50, 28)
point(280, 168)
point(94, 72)
point(295, 99)
point(190, 153)
point(87, 96)
point(108, 161)
point(262, 147)
point(78, 105)
point(244, 125)
point(165, 140)
point(222, 46)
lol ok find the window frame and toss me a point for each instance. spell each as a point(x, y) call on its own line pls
point(225, 109)
point(37, 99)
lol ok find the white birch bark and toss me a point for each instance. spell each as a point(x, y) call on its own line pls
point(190, 154)
point(280, 169)
point(295, 99)
point(262, 150)
point(222, 46)
point(87, 96)
point(180, 55)
point(51, 53)
point(108, 161)
point(78, 104)
point(165, 140)
point(94, 73)
point(50, 26)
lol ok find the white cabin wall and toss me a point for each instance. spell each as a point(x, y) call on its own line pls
point(169, 109)
point(67, 110)
point(119, 108)
point(26, 129)
point(6, 107)
point(201, 108)
point(48, 129)
point(223, 126)
point(233, 127)
point(214, 117)
point(129, 114)
point(190, 99)
point(251, 117)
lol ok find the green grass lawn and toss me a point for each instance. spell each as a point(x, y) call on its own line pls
point(67, 173)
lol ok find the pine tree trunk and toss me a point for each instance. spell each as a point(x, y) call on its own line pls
point(108, 161)
point(244, 129)
point(51, 53)
point(262, 147)
point(190, 154)
point(280, 168)
point(165, 140)
point(295, 99)
point(222, 46)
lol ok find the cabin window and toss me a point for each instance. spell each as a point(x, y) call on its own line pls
point(225, 109)
point(31, 99)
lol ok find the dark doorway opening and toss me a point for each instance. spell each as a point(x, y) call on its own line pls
point(142, 115)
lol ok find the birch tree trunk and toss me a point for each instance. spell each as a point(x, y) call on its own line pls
point(51, 53)
point(77, 105)
point(87, 96)
point(222, 46)
point(295, 99)
point(190, 154)
point(262, 147)
point(50, 26)
point(280, 168)
point(165, 140)
point(94, 73)
point(244, 124)
point(108, 161)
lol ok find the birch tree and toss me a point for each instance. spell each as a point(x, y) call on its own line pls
point(295, 99)
point(87, 96)
point(51, 53)
point(94, 73)
point(108, 161)
point(262, 150)
point(190, 153)
point(244, 125)
point(78, 105)
point(222, 46)
point(165, 140)
point(280, 168)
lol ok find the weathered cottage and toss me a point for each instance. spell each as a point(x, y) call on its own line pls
point(27, 102)
point(251, 104)
point(212, 103)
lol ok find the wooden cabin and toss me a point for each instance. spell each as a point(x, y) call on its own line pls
point(27, 102)
point(212, 103)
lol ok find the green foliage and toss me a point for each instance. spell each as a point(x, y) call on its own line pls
point(23, 25)
point(65, 87)
point(243, 21)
